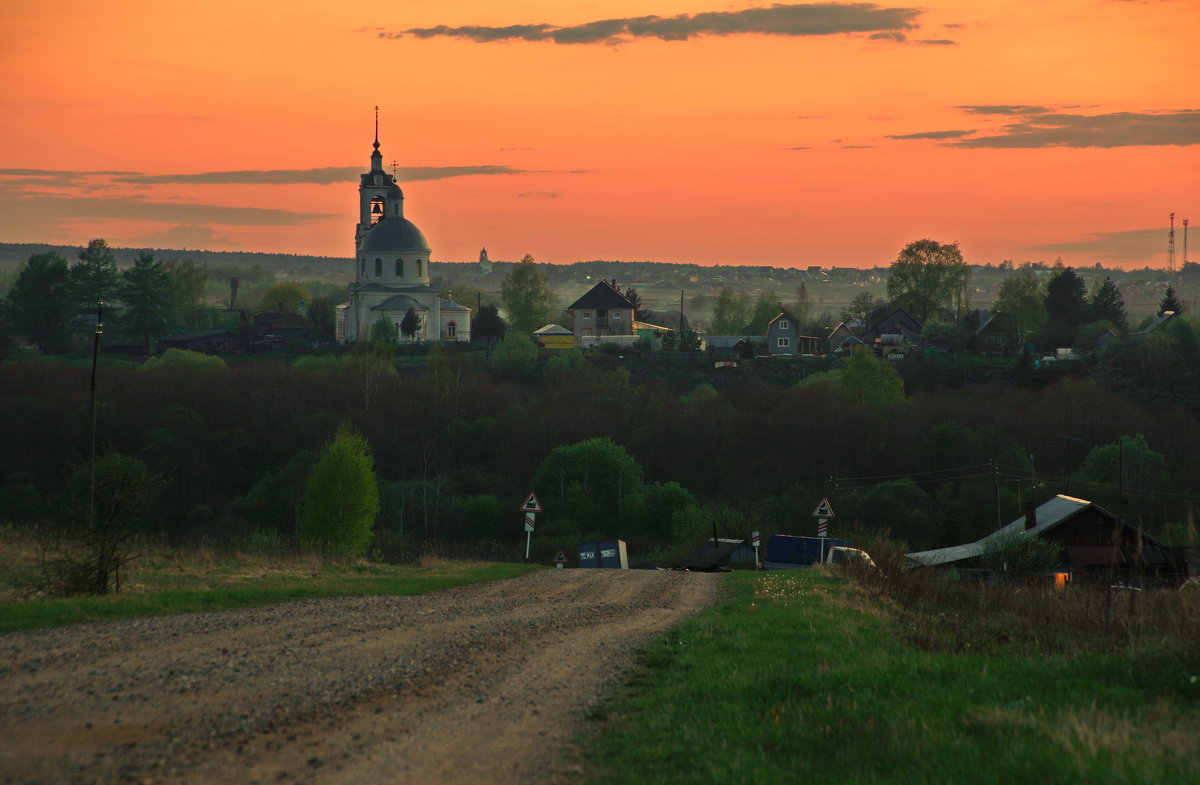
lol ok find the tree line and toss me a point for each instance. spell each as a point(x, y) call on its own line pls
point(198, 451)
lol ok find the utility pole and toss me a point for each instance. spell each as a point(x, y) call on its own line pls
point(995, 490)
point(101, 574)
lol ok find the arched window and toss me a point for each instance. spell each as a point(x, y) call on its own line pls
point(451, 330)
point(378, 268)
point(418, 268)
point(399, 268)
point(376, 209)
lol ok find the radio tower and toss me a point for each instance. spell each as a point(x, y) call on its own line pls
point(1185, 259)
point(1171, 246)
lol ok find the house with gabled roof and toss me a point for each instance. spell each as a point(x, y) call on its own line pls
point(603, 311)
point(784, 338)
point(1093, 543)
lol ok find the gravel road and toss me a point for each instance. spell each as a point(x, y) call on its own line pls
point(483, 684)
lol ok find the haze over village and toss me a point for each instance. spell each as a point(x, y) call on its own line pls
point(592, 393)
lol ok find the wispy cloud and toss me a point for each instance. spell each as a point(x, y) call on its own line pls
point(1004, 109)
point(133, 208)
point(1116, 129)
point(1038, 127)
point(782, 19)
point(187, 237)
point(326, 175)
point(932, 135)
point(539, 195)
point(1133, 245)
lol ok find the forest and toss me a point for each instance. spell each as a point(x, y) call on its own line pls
point(219, 453)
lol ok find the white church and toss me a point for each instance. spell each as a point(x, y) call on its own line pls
point(391, 269)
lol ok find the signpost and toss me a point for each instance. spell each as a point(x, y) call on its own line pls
point(531, 508)
point(755, 541)
point(823, 513)
point(560, 559)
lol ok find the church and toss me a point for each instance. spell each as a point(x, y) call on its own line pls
point(391, 269)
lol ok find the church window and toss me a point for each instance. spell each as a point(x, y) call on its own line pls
point(418, 268)
point(362, 266)
point(378, 268)
point(378, 179)
point(376, 209)
point(399, 268)
point(451, 330)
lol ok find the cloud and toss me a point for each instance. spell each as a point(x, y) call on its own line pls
point(1133, 245)
point(784, 20)
point(1038, 126)
point(326, 175)
point(1116, 129)
point(132, 208)
point(932, 135)
point(187, 237)
point(935, 42)
point(539, 195)
point(797, 148)
point(1004, 109)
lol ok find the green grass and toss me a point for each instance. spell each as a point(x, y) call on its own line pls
point(163, 586)
point(800, 678)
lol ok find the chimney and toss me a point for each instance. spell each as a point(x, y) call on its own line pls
point(1030, 516)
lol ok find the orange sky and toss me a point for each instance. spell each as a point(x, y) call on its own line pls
point(761, 133)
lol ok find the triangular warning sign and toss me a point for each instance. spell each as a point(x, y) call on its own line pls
point(531, 504)
point(824, 510)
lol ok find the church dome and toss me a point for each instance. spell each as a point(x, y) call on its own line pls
point(394, 234)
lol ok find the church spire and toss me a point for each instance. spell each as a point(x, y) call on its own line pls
point(376, 156)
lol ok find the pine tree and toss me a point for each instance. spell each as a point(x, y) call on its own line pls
point(1170, 302)
point(1107, 304)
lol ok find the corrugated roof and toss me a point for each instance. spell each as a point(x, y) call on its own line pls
point(706, 557)
point(1049, 515)
point(552, 329)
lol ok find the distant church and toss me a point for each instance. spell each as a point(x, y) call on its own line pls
point(391, 268)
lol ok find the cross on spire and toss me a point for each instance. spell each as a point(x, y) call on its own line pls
point(376, 127)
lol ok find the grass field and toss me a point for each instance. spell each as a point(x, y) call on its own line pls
point(804, 677)
point(163, 582)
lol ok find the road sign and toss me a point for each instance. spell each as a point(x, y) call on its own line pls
point(531, 504)
point(822, 527)
point(528, 521)
point(560, 559)
point(824, 510)
point(754, 540)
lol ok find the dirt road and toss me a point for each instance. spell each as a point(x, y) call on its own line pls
point(477, 685)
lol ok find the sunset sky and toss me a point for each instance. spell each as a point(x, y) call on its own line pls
point(700, 131)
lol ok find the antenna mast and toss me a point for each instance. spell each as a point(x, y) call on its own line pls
point(1171, 246)
point(1185, 225)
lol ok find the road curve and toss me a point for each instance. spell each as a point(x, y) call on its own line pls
point(482, 684)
